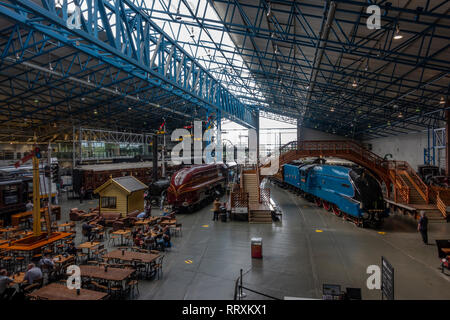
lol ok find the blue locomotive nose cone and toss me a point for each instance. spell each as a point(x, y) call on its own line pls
point(353, 192)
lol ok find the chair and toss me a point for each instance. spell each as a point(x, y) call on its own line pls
point(133, 287)
point(177, 229)
point(30, 288)
point(81, 256)
point(96, 253)
point(158, 266)
point(19, 263)
point(101, 235)
point(116, 290)
point(98, 287)
point(112, 237)
point(141, 268)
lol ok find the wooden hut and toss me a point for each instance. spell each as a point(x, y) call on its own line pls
point(122, 194)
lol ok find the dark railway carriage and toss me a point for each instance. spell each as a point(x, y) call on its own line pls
point(14, 194)
point(93, 176)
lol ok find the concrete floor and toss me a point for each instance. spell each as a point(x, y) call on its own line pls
point(297, 259)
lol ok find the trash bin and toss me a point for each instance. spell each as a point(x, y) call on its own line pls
point(256, 244)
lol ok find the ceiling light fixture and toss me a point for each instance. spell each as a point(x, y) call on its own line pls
point(397, 35)
point(400, 115)
point(442, 101)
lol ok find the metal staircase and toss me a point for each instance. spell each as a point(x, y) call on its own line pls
point(258, 198)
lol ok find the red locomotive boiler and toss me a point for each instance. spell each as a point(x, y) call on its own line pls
point(191, 186)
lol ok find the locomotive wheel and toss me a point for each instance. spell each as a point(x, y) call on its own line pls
point(336, 211)
point(326, 206)
point(318, 202)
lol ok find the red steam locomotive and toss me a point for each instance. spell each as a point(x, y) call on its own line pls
point(191, 186)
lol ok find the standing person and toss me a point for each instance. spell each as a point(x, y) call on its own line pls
point(216, 208)
point(29, 206)
point(82, 194)
point(422, 227)
point(148, 208)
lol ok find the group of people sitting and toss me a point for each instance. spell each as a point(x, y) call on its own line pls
point(35, 273)
point(156, 237)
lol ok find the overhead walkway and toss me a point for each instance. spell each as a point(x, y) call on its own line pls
point(408, 188)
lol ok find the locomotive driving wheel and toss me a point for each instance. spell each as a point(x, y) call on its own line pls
point(318, 202)
point(336, 211)
point(326, 205)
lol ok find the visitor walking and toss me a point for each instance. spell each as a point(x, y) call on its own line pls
point(422, 227)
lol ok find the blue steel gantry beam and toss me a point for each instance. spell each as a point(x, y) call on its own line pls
point(122, 50)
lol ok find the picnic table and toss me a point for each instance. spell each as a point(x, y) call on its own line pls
point(19, 277)
point(64, 226)
point(62, 260)
point(143, 222)
point(131, 255)
point(6, 231)
point(55, 291)
point(168, 222)
point(90, 245)
point(121, 233)
point(18, 217)
point(113, 274)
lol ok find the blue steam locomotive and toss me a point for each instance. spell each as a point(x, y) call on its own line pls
point(352, 192)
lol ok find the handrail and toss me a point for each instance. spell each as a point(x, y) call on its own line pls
point(443, 201)
point(238, 286)
point(422, 188)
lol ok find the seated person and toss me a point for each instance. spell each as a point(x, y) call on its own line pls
point(166, 213)
point(47, 262)
point(87, 230)
point(168, 216)
point(71, 250)
point(5, 290)
point(138, 241)
point(33, 274)
point(166, 237)
point(156, 229)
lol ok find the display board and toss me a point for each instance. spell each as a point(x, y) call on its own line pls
point(387, 279)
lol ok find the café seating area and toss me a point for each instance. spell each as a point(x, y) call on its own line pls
point(114, 254)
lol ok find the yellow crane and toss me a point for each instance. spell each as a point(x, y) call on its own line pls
point(35, 155)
